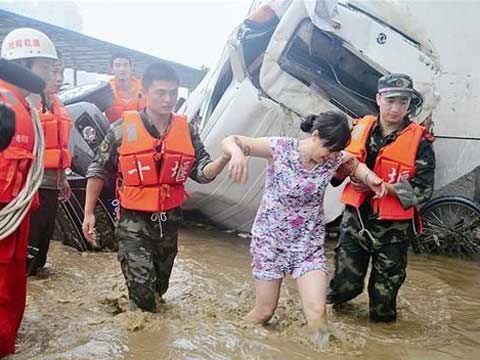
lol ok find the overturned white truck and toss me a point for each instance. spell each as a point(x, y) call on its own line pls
point(293, 58)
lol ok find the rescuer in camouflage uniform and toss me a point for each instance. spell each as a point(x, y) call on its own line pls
point(364, 236)
point(148, 240)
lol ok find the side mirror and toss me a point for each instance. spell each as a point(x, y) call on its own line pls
point(178, 105)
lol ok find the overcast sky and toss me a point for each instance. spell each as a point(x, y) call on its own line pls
point(192, 32)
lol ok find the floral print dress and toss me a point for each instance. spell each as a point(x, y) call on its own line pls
point(289, 230)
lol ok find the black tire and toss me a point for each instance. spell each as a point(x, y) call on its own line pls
point(451, 226)
point(99, 94)
point(68, 226)
point(105, 228)
point(67, 230)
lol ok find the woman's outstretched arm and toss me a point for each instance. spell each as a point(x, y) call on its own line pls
point(239, 148)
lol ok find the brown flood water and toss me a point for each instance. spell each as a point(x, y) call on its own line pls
point(76, 311)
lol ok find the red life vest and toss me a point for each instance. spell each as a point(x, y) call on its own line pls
point(16, 159)
point(143, 184)
point(56, 129)
point(394, 162)
point(136, 102)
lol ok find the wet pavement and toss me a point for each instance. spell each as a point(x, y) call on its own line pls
point(76, 310)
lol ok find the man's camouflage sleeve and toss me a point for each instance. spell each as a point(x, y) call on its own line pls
point(420, 188)
point(202, 158)
point(104, 166)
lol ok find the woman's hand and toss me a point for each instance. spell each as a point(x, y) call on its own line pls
point(239, 148)
point(238, 167)
point(376, 184)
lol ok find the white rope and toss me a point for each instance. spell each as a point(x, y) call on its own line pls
point(160, 217)
point(13, 213)
point(364, 229)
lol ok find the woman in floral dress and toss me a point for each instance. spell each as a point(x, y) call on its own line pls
point(289, 229)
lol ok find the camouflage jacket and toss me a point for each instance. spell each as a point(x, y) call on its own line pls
point(105, 164)
point(410, 193)
point(420, 188)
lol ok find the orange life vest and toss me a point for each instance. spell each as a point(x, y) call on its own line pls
point(56, 126)
point(16, 159)
point(136, 102)
point(144, 185)
point(394, 162)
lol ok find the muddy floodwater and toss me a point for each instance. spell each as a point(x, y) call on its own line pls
point(76, 310)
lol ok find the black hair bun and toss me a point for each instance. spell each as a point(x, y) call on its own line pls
point(307, 123)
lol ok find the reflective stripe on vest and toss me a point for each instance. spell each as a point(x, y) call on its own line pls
point(395, 162)
point(16, 159)
point(153, 171)
point(136, 101)
point(56, 126)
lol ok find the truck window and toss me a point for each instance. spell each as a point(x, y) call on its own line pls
point(321, 59)
point(255, 39)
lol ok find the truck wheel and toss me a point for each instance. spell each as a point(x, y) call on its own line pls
point(451, 226)
point(68, 228)
point(105, 228)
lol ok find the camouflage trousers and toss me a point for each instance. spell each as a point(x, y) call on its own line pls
point(386, 246)
point(147, 246)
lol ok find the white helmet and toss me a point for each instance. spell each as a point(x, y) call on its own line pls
point(24, 43)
